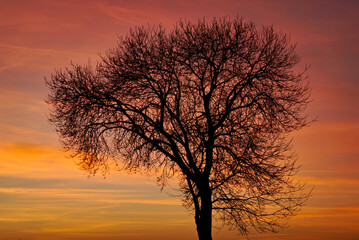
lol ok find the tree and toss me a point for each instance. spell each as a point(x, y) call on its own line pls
point(211, 103)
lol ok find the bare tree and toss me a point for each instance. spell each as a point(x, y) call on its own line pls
point(211, 103)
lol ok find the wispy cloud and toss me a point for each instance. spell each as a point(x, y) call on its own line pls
point(14, 56)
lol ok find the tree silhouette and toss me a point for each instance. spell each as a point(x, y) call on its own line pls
point(211, 103)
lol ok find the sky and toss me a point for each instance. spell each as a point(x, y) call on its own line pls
point(43, 193)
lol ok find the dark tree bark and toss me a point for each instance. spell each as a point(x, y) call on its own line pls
point(213, 102)
point(204, 215)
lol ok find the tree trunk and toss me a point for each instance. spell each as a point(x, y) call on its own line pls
point(204, 215)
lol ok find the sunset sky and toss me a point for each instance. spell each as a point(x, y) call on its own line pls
point(44, 195)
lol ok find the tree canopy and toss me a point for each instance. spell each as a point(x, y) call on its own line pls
point(211, 103)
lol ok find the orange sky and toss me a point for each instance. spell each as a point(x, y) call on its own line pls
point(43, 195)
